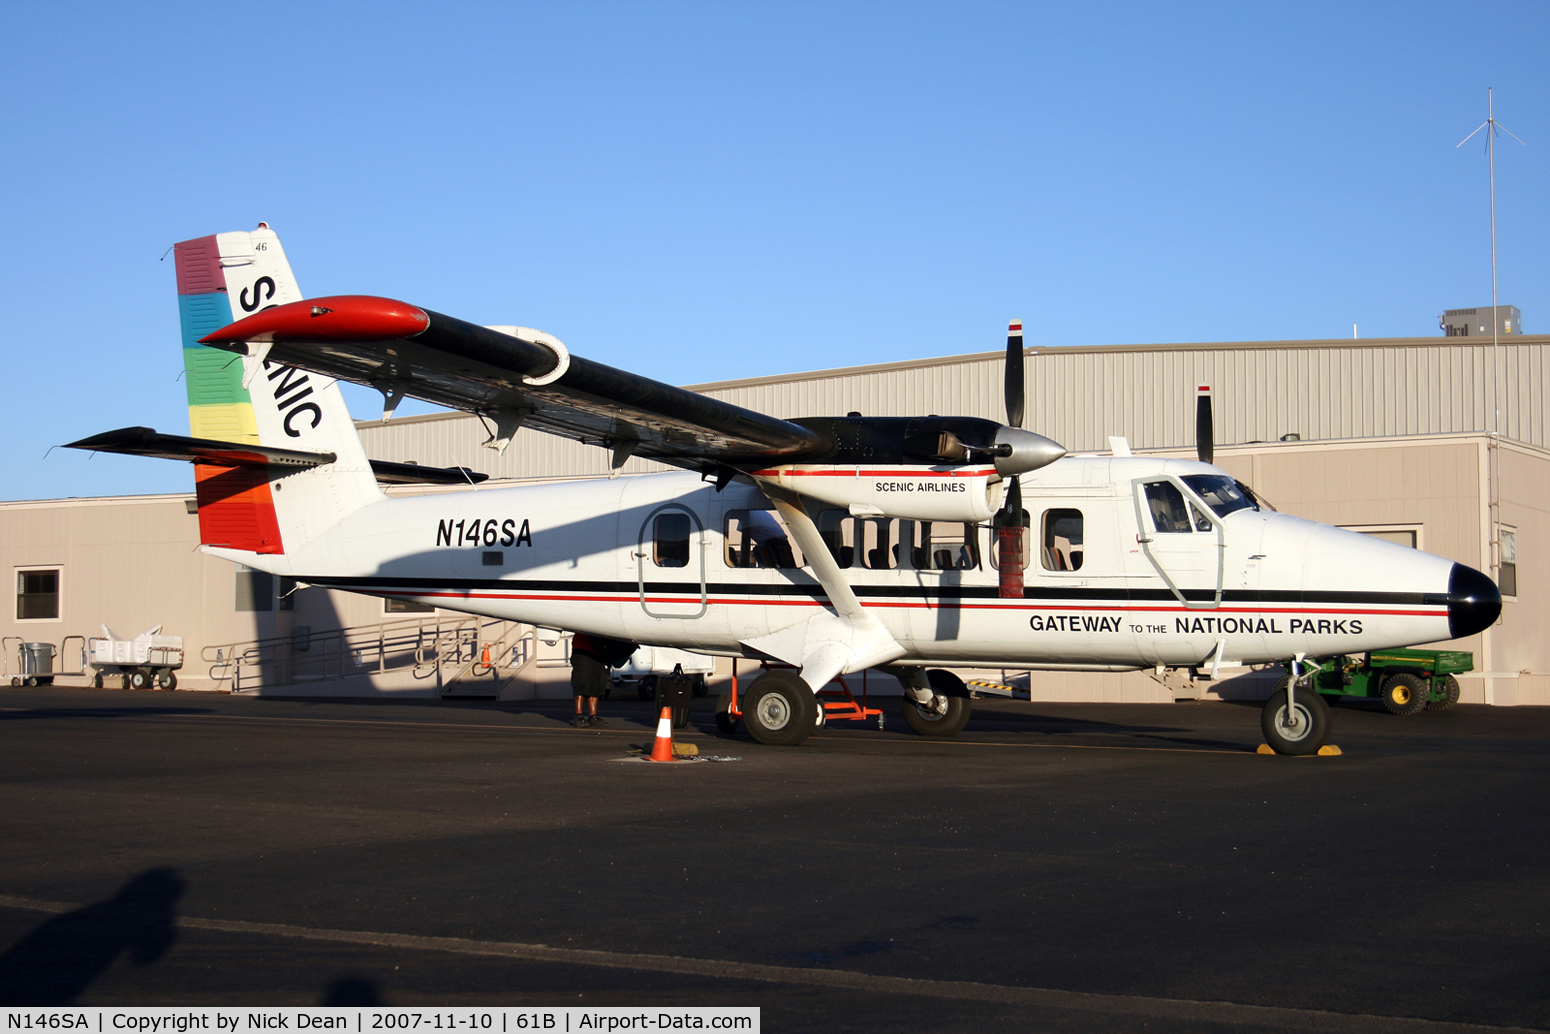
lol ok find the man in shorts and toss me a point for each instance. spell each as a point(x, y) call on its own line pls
point(588, 681)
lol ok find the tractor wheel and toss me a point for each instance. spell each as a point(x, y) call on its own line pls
point(166, 679)
point(1404, 693)
point(1450, 696)
point(1304, 735)
point(948, 711)
point(139, 678)
point(780, 710)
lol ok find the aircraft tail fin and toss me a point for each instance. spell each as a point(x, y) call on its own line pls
point(250, 401)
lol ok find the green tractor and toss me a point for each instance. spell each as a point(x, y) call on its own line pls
point(1406, 681)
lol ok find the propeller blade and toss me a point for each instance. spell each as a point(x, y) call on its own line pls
point(1014, 373)
point(1011, 542)
point(1205, 448)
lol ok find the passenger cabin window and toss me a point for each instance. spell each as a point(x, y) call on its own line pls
point(884, 544)
point(758, 538)
point(1170, 513)
point(670, 539)
point(1063, 540)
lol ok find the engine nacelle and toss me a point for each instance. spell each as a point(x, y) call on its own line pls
point(966, 494)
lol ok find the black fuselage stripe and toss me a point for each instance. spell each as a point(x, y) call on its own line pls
point(1050, 594)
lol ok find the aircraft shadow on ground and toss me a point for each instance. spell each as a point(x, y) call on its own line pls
point(59, 959)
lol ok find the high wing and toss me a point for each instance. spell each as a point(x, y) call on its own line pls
point(514, 376)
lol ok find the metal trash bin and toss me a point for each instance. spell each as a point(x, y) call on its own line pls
point(35, 663)
point(37, 658)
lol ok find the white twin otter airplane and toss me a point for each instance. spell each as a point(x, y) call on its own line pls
point(832, 544)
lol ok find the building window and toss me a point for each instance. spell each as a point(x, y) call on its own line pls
point(1507, 581)
point(255, 590)
point(1399, 534)
point(390, 606)
point(37, 595)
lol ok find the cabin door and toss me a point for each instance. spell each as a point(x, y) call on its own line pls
point(670, 563)
point(1183, 541)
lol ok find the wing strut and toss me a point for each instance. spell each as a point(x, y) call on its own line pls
point(826, 644)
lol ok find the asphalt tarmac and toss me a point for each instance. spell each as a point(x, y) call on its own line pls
point(1056, 867)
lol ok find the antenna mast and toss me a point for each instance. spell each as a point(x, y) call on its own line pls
point(1493, 129)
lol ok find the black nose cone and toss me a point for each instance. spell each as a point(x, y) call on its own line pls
point(1474, 602)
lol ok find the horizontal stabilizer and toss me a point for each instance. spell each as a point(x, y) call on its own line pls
point(414, 474)
point(145, 441)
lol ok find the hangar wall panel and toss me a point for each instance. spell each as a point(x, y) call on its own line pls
point(1322, 390)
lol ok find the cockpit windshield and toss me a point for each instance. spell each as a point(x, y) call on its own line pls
point(1219, 492)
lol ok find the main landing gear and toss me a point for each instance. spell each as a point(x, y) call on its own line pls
point(779, 709)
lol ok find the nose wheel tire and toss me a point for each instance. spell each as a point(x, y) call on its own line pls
point(948, 710)
point(1405, 693)
point(1303, 728)
point(779, 710)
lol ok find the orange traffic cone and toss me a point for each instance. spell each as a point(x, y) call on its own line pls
point(485, 660)
point(662, 749)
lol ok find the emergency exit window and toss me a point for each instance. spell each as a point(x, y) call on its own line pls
point(37, 595)
point(670, 540)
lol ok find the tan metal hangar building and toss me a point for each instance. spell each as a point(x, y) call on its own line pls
point(1441, 443)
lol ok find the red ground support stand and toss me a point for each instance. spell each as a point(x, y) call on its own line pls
point(839, 705)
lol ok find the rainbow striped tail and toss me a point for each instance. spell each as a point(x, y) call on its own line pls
point(250, 401)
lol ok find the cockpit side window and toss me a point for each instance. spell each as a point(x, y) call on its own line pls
point(1166, 503)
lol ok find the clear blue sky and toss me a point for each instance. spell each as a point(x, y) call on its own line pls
point(708, 191)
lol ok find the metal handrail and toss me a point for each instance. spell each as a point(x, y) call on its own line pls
point(427, 647)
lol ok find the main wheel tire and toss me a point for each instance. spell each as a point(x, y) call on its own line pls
point(726, 721)
point(949, 710)
point(1404, 693)
point(1313, 726)
point(166, 679)
point(779, 710)
point(137, 679)
point(1450, 696)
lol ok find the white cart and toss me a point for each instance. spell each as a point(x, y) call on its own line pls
point(148, 659)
